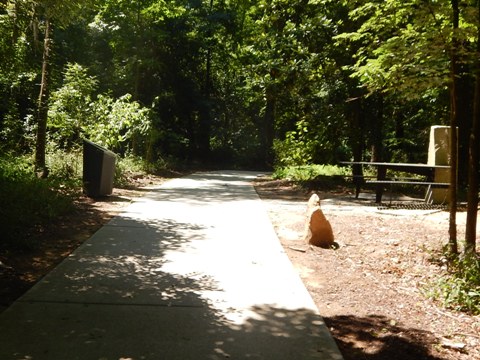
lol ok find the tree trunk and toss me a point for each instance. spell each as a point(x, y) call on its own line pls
point(15, 32)
point(137, 53)
point(42, 107)
point(355, 116)
point(452, 228)
point(205, 121)
point(377, 130)
point(473, 168)
point(269, 123)
point(465, 91)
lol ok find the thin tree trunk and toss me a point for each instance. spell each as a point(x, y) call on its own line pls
point(472, 196)
point(15, 33)
point(269, 122)
point(42, 107)
point(452, 228)
point(377, 131)
point(137, 53)
point(205, 121)
point(355, 116)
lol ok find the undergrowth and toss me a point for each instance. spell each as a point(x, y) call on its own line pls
point(459, 288)
point(128, 168)
point(309, 172)
point(28, 203)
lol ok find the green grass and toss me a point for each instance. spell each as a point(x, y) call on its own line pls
point(316, 177)
point(310, 172)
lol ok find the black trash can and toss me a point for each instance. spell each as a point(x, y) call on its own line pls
point(98, 170)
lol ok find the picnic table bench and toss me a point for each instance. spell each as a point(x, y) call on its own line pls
point(426, 170)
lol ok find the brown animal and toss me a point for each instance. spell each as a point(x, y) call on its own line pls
point(318, 231)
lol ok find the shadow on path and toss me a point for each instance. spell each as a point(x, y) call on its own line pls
point(145, 287)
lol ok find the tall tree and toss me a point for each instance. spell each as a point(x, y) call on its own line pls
point(48, 12)
point(42, 106)
point(286, 49)
point(413, 48)
point(205, 121)
point(454, 72)
point(473, 174)
point(385, 39)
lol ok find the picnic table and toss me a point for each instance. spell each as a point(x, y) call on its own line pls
point(426, 170)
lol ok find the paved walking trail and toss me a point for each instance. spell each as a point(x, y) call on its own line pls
point(192, 270)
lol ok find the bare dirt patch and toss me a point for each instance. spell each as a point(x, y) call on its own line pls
point(371, 289)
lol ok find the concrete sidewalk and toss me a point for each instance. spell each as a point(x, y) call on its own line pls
point(193, 270)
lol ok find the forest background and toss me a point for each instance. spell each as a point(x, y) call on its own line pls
point(219, 83)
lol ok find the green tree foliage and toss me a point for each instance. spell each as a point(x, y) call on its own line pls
point(243, 83)
point(120, 124)
point(401, 45)
point(70, 110)
point(18, 75)
point(408, 49)
point(49, 13)
point(287, 58)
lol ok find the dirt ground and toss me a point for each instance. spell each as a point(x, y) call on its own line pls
point(370, 290)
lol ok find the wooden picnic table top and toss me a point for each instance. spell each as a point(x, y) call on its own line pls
point(426, 170)
point(395, 165)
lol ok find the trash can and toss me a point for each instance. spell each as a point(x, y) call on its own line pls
point(98, 170)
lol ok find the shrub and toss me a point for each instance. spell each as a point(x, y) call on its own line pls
point(126, 168)
point(28, 203)
point(70, 110)
point(296, 149)
point(65, 167)
point(459, 288)
point(309, 172)
point(119, 124)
